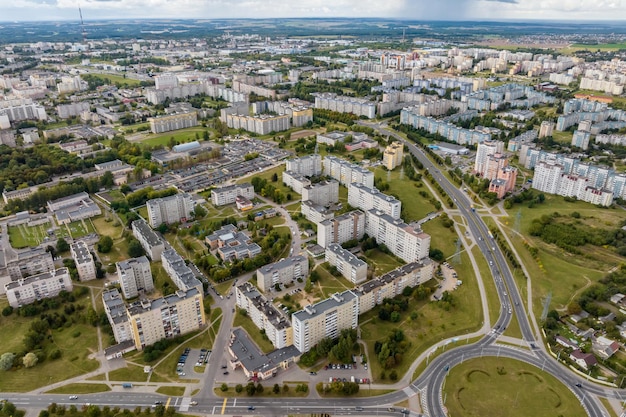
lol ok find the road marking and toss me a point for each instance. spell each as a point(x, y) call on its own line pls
point(224, 405)
point(235, 402)
point(167, 404)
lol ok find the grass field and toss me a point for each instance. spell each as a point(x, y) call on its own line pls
point(180, 136)
point(132, 373)
point(600, 46)
point(267, 175)
point(507, 388)
point(80, 389)
point(117, 79)
point(171, 391)
point(381, 261)
point(433, 322)
point(23, 236)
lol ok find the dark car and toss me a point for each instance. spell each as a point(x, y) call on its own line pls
point(226, 372)
point(251, 407)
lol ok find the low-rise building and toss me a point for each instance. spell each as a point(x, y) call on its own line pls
point(74, 208)
point(232, 244)
point(350, 267)
point(37, 287)
point(282, 272)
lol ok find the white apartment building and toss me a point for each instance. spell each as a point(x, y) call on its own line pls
point(116, 312)
point(546, 129)
point(315, 213)
point(322, 193)
point(365, 198)
point(261, 124)
point(344, 104)
point(282, 272)
point(172, 209)
point(342, 228)
point(85, 264)
point(351, 267)
point(581, 138)
point(484, 151)
point(171, 316)
point(37, 287)
point(393, 155)
point(295, 181)
point(18, 109)
point(135, 276)
point(326, 318)
point(346, 172)
point(402, 240)
point(264, 315)
point(547, 176)
point(228, 194)
point(309, 165)
point(151, 241)
point(181, 274)
point(173, 121)
point(165, 81)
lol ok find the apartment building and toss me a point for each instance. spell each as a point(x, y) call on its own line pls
point(116, 312)
point(346, 172)
point(282, 272)
point(309, 165)
point(37, 287)
point(85, 264)
point(181, 274)
point(261, 124)
point(20, 109)
point(135, 276)
point(322, 193)
point(264, 315)
point(153, 244)
point(393, 155)
point(580, 139)
point(174, 121)
point(315, 213)
point(402, 240)
point(344, 104)
point(167, 317)
point(504, 181)
point(365, 198)
point(29, 262)
point(228, 194)
point(342, 228)
point(172, 209)
point(351, 267)
point(391, 284)
point(295, 181)
point(326, 318)
point(546, 129)
point(484, 151)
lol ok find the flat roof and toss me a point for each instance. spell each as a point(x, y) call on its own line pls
point(334, 301)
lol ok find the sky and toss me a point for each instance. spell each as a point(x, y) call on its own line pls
point(28, 10)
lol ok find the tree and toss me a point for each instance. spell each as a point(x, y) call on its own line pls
point(6, 361)
point(135, 249)
point(274, 177)
point(105, 244)
point(250, 389)
point(62, 245)
point(238, 388)
point(29, 360)
point(276, 389)
point(224, 387)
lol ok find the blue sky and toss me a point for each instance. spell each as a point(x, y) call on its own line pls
point(413, 9)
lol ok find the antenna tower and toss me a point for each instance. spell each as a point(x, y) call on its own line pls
point(82, 26)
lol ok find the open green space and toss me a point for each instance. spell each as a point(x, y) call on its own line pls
point(117, 79)
point(78, 388)
point(131, 372)
point(23, 236)
point(179, 136)
point(254, 332)
point(599, 47)
point(507, 388)
point(171, 391)
point(414, 206)
point(441, 237)
point(434, 321)
point(267, 175)
point(381, 261)
point(80, 228)
point(267, 391)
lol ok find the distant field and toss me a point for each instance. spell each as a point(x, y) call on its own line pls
point(601, 46)
point(180, 136)
point(113, 79)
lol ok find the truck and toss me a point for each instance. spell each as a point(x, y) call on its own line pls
point(127, 385)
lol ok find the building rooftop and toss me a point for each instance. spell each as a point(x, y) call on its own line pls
point(292, 260)
point(149, 235)
point(34, 278)
point(323, 306)
point(142, 306)
point(273, 315)
point(346, 255)
point(80, 252)
point(251, 357)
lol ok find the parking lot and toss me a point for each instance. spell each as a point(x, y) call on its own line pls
point(189, 359)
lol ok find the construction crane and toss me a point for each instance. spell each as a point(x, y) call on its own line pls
point(82, 26)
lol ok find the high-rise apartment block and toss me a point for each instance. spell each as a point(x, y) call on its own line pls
point(351, 267)
point(309, 165)
point(322, 193)
point(282, 272)
point(261, 124)
point(151, 241)
point(228, 194)
point(484, 151)
point(181, 274)
point(326, 318)
point(264, 315)
point(37, 287)
point(135, 276)
point(546, 129)
point(167, 317)
point(85, 264)
point(392, 157)
point(348, 226)
point(172, 209)
point(365, 198)
point(402, 240)
point(315, 213)
point(174, 121)
point(117, 314)
point(346, 172)
point(295, 181)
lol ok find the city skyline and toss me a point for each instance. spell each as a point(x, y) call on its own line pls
point(47, 10)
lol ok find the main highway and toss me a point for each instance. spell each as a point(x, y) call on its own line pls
point(429, 384)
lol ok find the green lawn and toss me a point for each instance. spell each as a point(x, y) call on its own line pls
point(268, 174)
point(171, 391)
point(80, 389)
point(133, 373)
point(117, 79)
point(180, 136)
point(432, 324)
point(381, 261)
point(507, 388)
point(23, 236)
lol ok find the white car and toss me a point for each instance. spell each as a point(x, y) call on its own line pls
point(73, 397)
